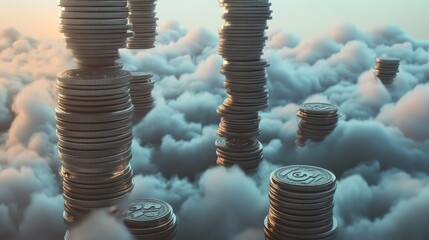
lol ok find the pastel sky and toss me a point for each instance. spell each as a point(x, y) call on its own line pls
point(304, 18)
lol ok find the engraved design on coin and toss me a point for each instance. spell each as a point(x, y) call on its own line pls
point(147, 210)
point(304, 175)
point(320, 107)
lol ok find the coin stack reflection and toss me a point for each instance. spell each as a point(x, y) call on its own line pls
point(386, 69)
point(141, 87)
point(301, 204)
point(317, 121)
point(94, 111)
point(241, 44)
point(94, 30)
point(150, 219)
point(142, 16)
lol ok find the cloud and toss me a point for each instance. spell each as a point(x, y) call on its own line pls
point(410, 114)
point(379, 152)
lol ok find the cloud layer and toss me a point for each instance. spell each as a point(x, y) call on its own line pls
point(379, 152)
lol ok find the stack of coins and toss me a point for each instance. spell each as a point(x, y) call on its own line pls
point(141, 87)
point(245, 152)
point(242, 40)
point(386, 69)
point(94, 30)
point(317, 121)
point(151, 219)
point(94, 112)
point(301, 204)
point(94, 120)
point(142, 16)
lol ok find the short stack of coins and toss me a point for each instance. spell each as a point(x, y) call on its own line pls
point(317, 121)
point(241, 44)
point(301, 204)
point(142, 17)
point(141, 87)
point(94, 120)
point(386, 69)
point(151, 219)
point(94, 30)
point(94, 112)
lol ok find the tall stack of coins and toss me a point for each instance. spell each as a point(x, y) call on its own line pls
point(151, 219)
point(94, 111)
point(141, 87)
point(94, 117)
point(142, 16)
point(94, 30)
point(317, 121)
point(386, 69)
point(301, 204)
point(242, 40)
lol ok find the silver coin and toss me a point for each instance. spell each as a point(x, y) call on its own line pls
point(304, 178)
point(92, 3)
point(94, 9)
point(147, 212)
point(93, 15)
point(319, 108)
point(69, 21)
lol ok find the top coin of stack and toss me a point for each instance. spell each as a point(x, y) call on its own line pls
point(94, 30)
point(386, 69)
point(142, 16)
point(301, 204)
point(317, 121)
point(151, 219)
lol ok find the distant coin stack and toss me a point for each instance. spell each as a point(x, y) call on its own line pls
point(151, 219)
point(94, 111)
point(142, 16)
point(94, 30)
point(94, 119)
point(141, 87)
point(386, 69)
point(242, 40)
point(317, 121)
point(301, 204)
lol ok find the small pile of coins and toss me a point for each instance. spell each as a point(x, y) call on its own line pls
point(386, 69)
point(142, 17)
point(301, 204)
point(94, 30)
point(241, 44)
point(150, 219)
point(94, 120)
point(141, 87)
point(317, 121)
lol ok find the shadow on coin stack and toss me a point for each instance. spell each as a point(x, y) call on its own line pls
point(386, 69)
point(141, 87)
point(94, 111)
point(301, 204)
point(242, 40)
point(317, 121)
point(150, 219)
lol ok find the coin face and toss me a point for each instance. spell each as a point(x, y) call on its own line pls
point(318, 108)
point(304, 176)
point(147, 210)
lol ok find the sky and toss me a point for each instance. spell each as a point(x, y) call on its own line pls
point(379, 152)
point(304, 18)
